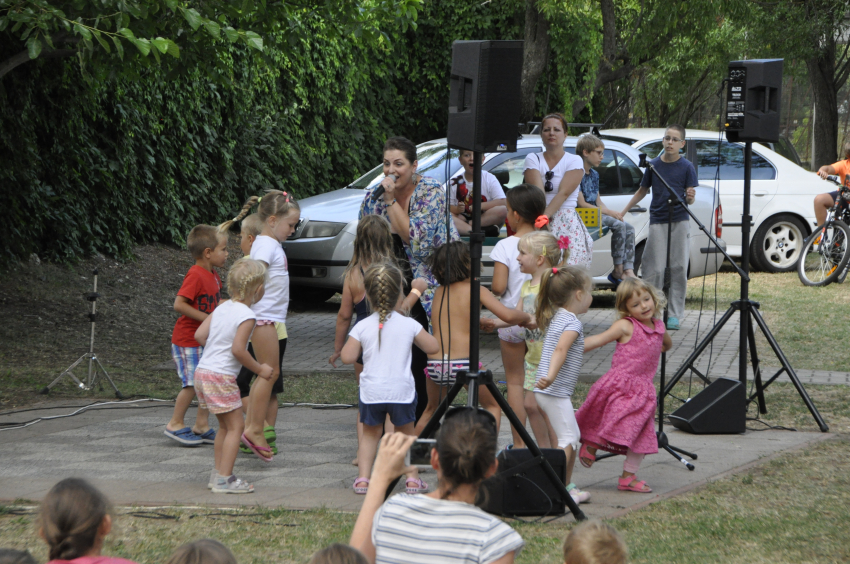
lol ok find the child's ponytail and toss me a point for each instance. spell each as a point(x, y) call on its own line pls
point(528, 202)
point(557, 288)
point(544, 244)
point(71, 516)
point(383, 287)
point(246, 209)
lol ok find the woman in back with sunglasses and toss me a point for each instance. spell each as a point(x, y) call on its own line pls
point(559, 174)
point(445, 525)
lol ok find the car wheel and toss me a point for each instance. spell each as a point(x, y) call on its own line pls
point(777, 244)
point(311, 295)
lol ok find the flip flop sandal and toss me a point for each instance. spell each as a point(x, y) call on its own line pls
point(584, 455)
point(361, 490)
point(418, 486)
point(632, 484)
point(263, 453)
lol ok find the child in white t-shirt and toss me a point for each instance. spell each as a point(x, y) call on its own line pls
point(385, 340)
point(280, 214)
point(224, 334)
point(493, 210)
point(525, 208)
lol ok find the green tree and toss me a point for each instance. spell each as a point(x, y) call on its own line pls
point(194, 32)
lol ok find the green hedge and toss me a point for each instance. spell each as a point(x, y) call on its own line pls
point(96, 162)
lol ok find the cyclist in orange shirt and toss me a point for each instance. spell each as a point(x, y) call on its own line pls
point(825, 201)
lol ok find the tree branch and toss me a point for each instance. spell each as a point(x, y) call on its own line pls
point(14, 61)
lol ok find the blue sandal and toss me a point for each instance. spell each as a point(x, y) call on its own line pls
point(208, 437)
point(185, 437)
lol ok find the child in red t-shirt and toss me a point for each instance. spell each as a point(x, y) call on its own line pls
point(197, 298)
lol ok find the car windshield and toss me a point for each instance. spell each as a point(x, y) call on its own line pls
point(432, 162)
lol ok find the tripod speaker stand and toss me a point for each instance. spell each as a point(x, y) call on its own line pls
point(473, 377)
point(94, 363)
point(749, 311)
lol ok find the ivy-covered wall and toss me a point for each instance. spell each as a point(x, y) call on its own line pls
point(92, 162)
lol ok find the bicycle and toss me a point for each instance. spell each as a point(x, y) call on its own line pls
point(826, 251)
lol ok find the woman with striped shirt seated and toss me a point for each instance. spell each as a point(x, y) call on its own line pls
point(445, 525)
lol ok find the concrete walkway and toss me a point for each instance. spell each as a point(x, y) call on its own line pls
point(124, 452)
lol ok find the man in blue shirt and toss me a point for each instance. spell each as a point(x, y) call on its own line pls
point(682, 178)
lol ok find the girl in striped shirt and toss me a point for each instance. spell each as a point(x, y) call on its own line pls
point(565, 293)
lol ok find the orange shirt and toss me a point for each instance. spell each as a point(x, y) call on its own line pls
point(842, 169)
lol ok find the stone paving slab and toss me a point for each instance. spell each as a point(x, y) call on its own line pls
point(124, 452)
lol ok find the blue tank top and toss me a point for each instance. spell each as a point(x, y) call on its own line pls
point(361, 308)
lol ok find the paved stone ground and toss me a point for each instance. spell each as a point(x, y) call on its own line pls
point(126, 454)
point(311, 336)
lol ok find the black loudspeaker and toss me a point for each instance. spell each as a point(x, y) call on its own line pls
point(485, 95)
point(720, 408)
point(754, 94)
point(520, 487)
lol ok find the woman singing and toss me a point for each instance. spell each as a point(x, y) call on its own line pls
point(559, 174)
point(415, 206)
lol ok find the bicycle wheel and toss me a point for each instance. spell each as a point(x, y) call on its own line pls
point(823, 259)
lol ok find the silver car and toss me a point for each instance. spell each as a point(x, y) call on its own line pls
point(322, 244)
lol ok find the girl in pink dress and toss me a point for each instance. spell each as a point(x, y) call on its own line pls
point(619, 413)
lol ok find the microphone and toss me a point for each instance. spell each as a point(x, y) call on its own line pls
point(379, 191)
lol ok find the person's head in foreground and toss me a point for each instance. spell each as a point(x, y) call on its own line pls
point(75, 518)
point(595, 542)
point(11, 556)
point(339, 554)
point(204, 551)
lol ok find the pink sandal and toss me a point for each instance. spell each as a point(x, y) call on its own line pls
point(418, 486)
point(264, 453)
point(361, 490)
point(584, 455)
point(632, 484)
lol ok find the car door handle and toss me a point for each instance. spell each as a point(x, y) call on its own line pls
point(760, 193)
point(637, 209)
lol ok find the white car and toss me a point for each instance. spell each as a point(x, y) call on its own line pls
point(321, 246)
point(782, 192)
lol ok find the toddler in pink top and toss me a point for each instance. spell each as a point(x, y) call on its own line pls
point(619, 413)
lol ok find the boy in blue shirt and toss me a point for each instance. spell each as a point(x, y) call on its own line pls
point(682, 178)
point(592, 151)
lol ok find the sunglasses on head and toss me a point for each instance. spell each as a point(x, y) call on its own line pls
point(548, 185)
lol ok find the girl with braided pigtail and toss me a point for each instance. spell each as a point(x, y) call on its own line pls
point(385, 340)
point(224, 335)
point(280, 214)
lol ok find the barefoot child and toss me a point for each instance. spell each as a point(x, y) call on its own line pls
point(279, 213)
point(565, 293)
point(225, 335)
point(450, 265)
point(197, 298)
point(525, 204)
point(385, 340)
point(619, 413)
point(250, 229)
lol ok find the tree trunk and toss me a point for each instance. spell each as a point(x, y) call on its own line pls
point(535, 56)
point(821, 70)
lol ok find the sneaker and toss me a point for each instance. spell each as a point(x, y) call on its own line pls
point(673, 323)
point(578, 495)
point(213, 479)
point(185, 437)
point(232, 485)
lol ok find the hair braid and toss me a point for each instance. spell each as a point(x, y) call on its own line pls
point(245, 277)
point(246, 209)
point(383, 287)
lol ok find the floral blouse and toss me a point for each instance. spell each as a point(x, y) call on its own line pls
point(427, 211)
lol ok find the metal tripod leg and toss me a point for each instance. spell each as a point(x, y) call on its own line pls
point(698, 351)
point(787, 366)
point(118, 394)
point(754, 360)
point(67, 372)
